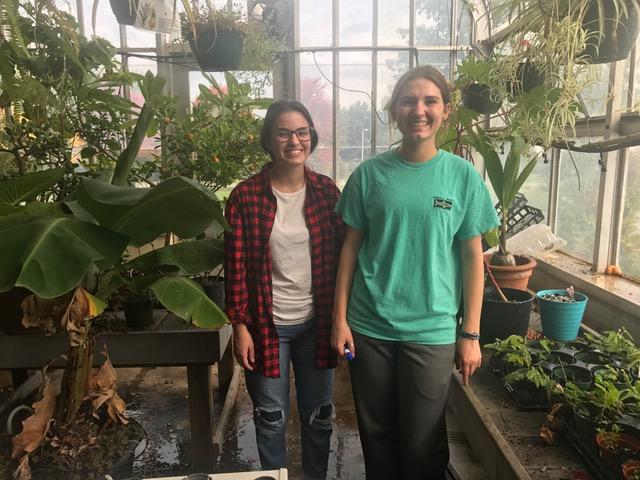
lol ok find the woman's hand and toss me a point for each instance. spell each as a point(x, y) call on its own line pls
point(243, 347)
point(341, 337)
point(468, 358)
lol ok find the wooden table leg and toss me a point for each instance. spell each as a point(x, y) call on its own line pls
point(225, 370)
point(201, 413)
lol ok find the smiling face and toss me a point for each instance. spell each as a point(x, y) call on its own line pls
point(291, 152)
point(420, 111)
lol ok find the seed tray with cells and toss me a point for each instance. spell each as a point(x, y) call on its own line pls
point(533, 371)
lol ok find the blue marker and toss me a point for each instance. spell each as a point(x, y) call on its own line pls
point(347, 354)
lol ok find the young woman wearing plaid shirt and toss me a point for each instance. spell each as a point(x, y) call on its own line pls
point(414, 216)
point(280, 259)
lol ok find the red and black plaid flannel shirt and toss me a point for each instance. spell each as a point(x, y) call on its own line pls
point(251, 211)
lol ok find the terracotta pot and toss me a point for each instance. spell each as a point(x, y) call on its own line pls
point(625, 446)
point(631, 469)
point(516, 277)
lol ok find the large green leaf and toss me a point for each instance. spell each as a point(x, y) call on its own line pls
point(185, 298)
point(511, 170)
point(26, 187)
point(177, 205)
point(50, 256)
point(188, 257)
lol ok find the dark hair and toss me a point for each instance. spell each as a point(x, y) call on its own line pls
point(275, 109)
point(423, 71)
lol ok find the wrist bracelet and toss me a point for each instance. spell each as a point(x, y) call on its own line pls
point(469, 335)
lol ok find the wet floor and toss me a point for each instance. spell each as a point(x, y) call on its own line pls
point(157, 398)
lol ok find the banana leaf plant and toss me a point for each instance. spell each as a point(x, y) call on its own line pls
point(72, 254)
point(505, 180)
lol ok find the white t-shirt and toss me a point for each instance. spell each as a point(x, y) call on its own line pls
point(291, 257)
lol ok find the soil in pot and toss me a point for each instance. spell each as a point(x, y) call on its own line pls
point(501, 319)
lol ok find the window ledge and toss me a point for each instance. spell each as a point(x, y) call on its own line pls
point(616, 295)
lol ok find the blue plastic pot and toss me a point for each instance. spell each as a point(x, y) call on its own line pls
point(561, 321)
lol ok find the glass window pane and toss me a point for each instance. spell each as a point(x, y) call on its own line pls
point(316, 95)
point(595, 95)
point(354, 117)
point(141, 66)
point(577, 209)
point(137, 37)
point(536, 188)
point(464, 22)
point(356, 23)
point(68, 6)
point(315, 23)
point(106, 24)
point(391, 65)
point(433, 20)
point(393, 23)
point(439, 60)
point(629, 257)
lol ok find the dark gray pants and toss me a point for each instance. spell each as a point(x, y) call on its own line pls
point(400, 391)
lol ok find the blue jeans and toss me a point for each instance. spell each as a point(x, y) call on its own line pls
point(270, 398)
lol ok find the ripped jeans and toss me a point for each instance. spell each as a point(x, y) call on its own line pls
point(270, 398)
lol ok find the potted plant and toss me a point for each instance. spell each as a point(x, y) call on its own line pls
point(608, 28)
point(615, 446)
point(222, 40)
point(631, 470)
point(217, 142)
point(66, 243)
point(561, 312)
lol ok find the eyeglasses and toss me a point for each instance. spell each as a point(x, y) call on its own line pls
point(303, 134)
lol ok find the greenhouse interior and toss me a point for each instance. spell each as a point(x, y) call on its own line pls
point(319, 239)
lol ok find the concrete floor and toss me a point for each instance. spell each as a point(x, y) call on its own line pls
point(157, 397)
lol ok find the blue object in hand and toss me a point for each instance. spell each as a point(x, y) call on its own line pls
point(347, 354)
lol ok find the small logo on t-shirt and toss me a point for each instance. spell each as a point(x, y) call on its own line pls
point(444, 203)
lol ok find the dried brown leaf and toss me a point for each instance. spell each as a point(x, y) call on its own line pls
point(23, 472)
point(103, 383)
point(76, 318)
point(547, 435)
point(36, 426)
point(45, 313)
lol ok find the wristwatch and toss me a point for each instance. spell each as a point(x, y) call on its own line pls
point(469, 335)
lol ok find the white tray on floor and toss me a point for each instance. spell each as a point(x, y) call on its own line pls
point(274, 474)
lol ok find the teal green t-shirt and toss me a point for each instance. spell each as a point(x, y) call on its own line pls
point(407, 284)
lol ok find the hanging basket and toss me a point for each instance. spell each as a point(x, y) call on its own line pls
point(477, 97)
point(618, 36)
point(216, 50)
point(125, 11)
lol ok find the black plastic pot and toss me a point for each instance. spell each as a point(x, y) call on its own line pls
point(124, 10)
point(577, 374)
point(138, 314)
point(528, 77)
point(476, 97)
point(593, 357)
point(214, 288)
point(216, 50)
point(500, 319)
point(562, 356)
point(619, 35)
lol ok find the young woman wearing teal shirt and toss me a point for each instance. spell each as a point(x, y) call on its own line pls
point(414, 218)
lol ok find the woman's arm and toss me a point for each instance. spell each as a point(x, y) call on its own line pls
point(236, 293)
point(341, 333)
point(468, 355)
